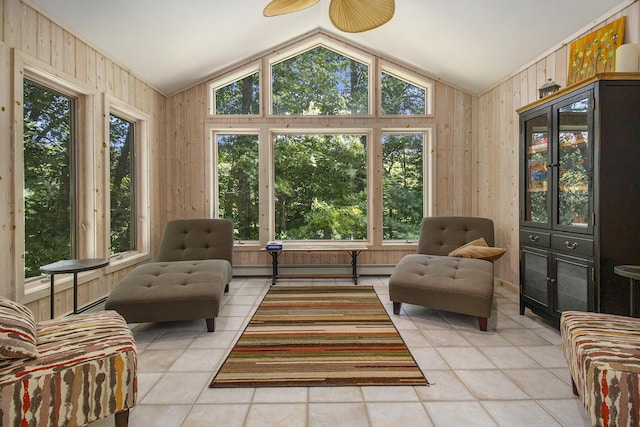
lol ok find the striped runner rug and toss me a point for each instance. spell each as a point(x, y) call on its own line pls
point(319, 336)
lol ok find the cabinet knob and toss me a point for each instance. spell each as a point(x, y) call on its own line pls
point(551, 280)
point(570, 245)
point(533, 238)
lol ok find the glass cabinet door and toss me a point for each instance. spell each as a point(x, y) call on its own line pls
point(573, 203)
point(536, 179)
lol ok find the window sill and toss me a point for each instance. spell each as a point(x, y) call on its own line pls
point(126, 260)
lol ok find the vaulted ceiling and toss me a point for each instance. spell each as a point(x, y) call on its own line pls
point(472, 44)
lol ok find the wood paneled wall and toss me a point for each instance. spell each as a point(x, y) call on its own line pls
point(28, 33)
point(498, 128)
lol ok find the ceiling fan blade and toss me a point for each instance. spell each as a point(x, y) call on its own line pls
point(280, 7)
point(355, 16)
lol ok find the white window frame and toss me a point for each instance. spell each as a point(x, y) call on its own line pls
point(428, 172)
point(26, 67)
point(211, 175)
point(140, 120)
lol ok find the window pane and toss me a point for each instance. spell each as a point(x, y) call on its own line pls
point(402, 97)
point(48, 185)
point(320, 187)
point(402, 185)
point(239, 97)
point(320, 82)
point(238, 183)
point(121, 188)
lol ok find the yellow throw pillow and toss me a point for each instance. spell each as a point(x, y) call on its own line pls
point(478, 249)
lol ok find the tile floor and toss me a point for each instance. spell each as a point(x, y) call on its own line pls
point(512, 375)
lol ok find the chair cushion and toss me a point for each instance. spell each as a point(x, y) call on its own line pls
point(17, 331)
point(170, 291)
point(461, 285)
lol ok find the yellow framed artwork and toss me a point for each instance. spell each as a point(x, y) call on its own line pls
point(595, 52)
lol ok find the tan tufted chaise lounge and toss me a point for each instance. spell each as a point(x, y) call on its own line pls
point(187, 281)
point(430, 278)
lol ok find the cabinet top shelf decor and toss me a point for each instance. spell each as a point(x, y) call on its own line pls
point(561, 92)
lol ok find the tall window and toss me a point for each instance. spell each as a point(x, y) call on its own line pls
point(320, 187)
point(237, 176)
point(122, 184)
point(403, 185)
point(49, 181)
point(320, 82)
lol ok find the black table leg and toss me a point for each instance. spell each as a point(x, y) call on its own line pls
point(354, 265)
point(274, 266)
point(52, 295)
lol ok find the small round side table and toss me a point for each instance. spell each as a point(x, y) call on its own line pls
point(74, 266)
point(633, 273)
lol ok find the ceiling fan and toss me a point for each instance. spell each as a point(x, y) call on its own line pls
point(352, 16)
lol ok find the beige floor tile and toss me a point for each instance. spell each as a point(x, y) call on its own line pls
point(549, 356)
point(540, 383)
point(280, 395)
point(491, 384)
point(337, 414)
point(390, 394)
point(428, 359)
point(445, 338)
point(335, 394)
point(522, 337)
point(489, 338)
point(218, 339)
point(526, 413)
point(177, 388)
point(277, 415)
point(414, 339)
point(569, 412)
point(208, 415)
point(448, 414)
point(157, 360)
point(445, 385)
point(464, 358)
point(226, 395)
point(509, 357)
point(386, 414)
point(198, 360)
point(169, 415)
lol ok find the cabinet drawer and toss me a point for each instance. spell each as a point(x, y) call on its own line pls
point(572, 245)
point(535, 238)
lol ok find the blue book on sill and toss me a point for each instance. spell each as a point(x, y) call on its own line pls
point(274, 245)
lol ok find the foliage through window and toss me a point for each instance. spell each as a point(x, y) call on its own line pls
point(320, 82)
point(239, 97)
point(402, 97)
point(122, 184)
point(403, 184)
point(49, 184)
point(238, 183)
point(320, 187)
